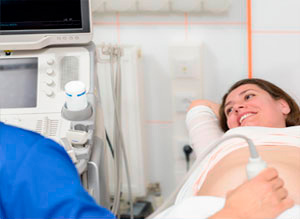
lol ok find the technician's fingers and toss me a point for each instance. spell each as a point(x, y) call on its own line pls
point(268, 174)
point(282, 193)
point(286, 204)
point(277, 183)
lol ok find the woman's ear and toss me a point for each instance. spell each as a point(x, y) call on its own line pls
point(284, 106)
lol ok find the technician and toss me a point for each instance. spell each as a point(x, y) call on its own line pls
point(39, 180)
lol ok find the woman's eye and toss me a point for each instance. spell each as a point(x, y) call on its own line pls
point(229, 110)
point(248, 96)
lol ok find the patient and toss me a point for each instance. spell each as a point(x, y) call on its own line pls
point(248, 108)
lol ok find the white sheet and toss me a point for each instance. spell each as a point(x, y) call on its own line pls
point(202, 207)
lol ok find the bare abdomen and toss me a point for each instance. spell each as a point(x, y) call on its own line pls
point(230, 172)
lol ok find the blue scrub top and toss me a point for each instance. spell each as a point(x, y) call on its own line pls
point(39, 180)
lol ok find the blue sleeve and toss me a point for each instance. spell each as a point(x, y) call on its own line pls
point(46, 184)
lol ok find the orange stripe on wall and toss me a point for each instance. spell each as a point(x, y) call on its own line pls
point(217, 23)
point(249, 30)
point(162, 23)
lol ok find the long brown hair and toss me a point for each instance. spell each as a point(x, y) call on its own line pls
point(293, 118)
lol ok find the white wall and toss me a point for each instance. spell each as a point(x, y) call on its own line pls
point(276, 57)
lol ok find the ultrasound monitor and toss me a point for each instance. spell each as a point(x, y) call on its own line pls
point(19, 83)
point(35, 24)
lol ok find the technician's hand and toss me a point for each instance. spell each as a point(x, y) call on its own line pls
point(214, 106)
point(262, 197)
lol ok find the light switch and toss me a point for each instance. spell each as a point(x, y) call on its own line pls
point(185, 67)
point(185, 60)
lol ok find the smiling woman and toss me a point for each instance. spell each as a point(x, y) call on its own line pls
point(249, 105)
point(263, 102)
point(270, 117)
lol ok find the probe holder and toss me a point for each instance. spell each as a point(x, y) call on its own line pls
point(77, 115)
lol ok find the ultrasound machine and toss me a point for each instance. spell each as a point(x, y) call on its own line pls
point(44, 45)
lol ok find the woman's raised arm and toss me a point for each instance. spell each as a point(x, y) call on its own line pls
point(212, 105)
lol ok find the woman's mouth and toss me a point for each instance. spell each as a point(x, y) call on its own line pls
point(244, 117)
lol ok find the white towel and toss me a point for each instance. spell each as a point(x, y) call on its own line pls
point(202, 207)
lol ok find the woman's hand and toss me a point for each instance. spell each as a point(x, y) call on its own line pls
point(262, 197)
point(214, 106)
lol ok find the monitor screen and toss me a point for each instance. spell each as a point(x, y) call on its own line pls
point(40, 23)
point(18, 86)
point(29, 15)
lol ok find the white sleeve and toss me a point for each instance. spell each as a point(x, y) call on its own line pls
point(203, 127)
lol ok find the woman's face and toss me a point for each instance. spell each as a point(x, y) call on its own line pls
point(249, 105)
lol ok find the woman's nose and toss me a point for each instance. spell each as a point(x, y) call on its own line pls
point(238, 107)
